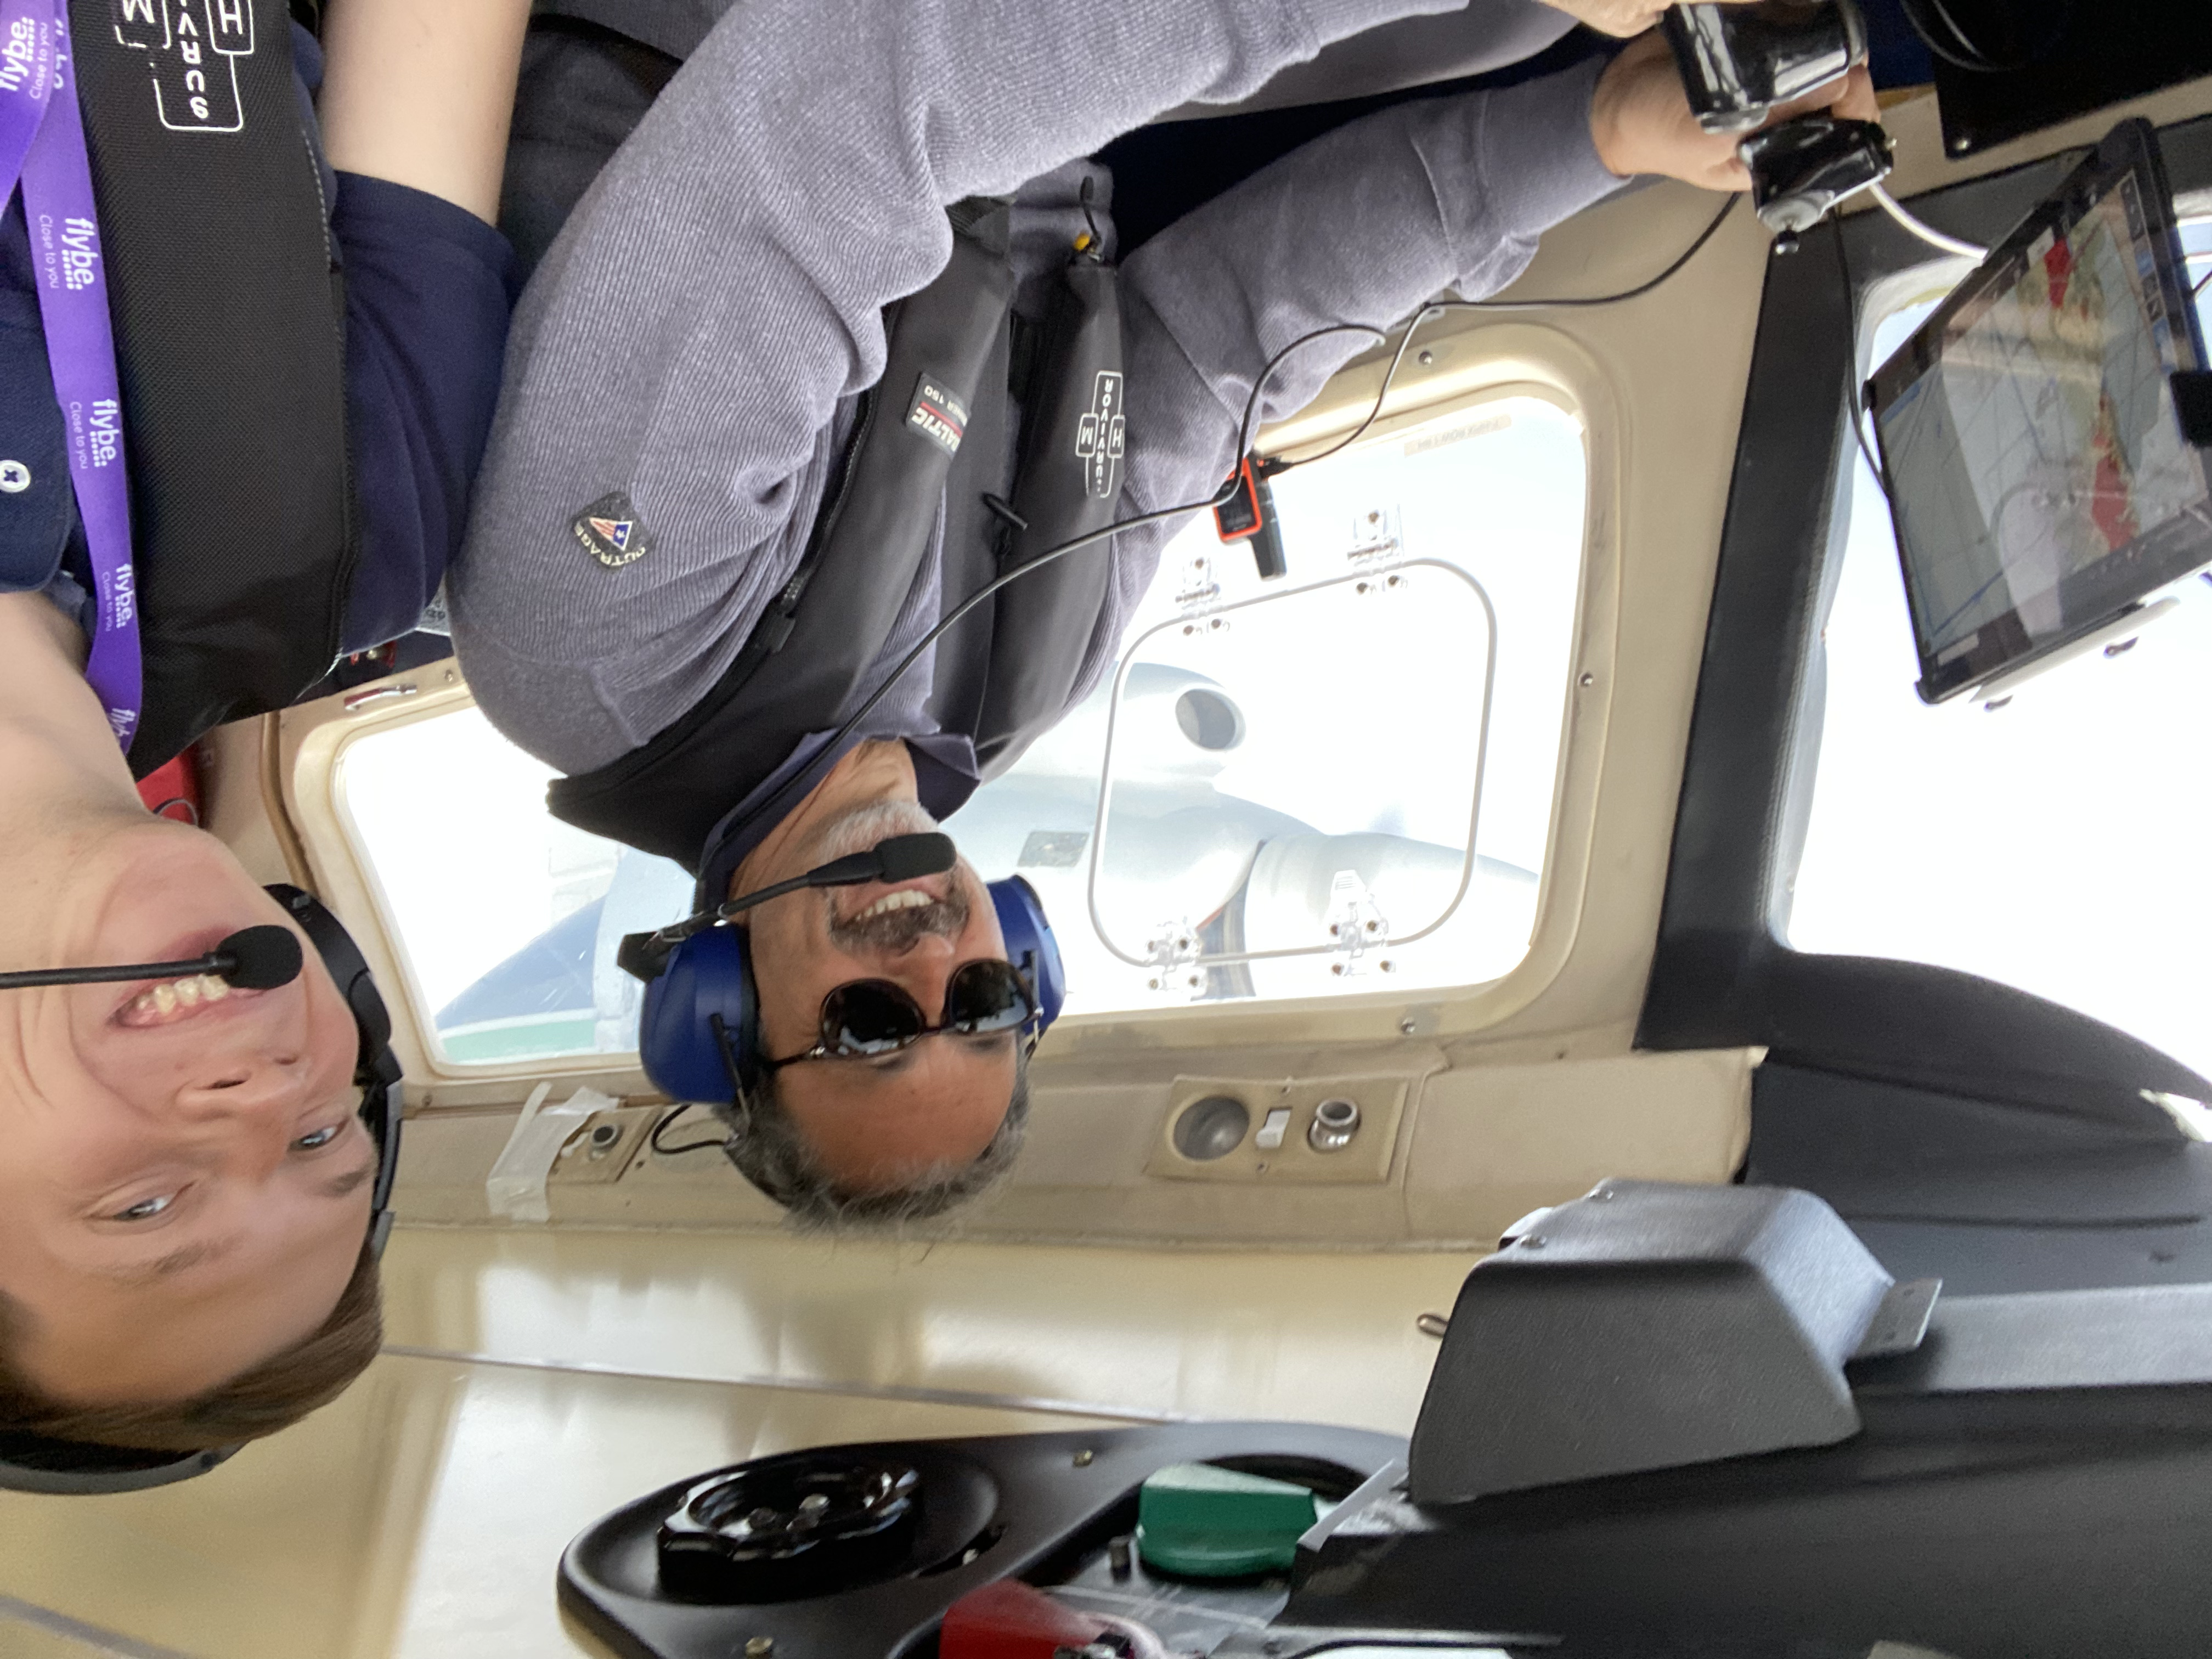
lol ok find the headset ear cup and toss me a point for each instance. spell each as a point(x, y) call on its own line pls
point(347, 966)
point(1031, 945)
point(368, 1010)
point(377, 1069)
point(706, 975)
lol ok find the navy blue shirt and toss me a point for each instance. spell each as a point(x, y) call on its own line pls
point(429, 289)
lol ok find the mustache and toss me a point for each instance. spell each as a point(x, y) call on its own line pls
point(896, 931)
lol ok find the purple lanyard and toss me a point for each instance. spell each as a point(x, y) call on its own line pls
point(38, 79)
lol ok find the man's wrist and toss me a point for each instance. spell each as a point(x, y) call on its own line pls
point(1540, 159)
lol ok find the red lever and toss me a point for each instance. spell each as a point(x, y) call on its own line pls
point(1009, 1620)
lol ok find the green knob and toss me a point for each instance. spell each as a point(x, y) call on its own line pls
point(1205, 1522)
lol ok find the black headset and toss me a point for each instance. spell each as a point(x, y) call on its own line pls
point(36, 1463)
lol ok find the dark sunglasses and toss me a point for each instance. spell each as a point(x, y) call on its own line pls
point(865, 1018)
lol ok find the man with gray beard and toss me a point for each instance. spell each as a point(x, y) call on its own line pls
point(675, 594)
point(927, 1125)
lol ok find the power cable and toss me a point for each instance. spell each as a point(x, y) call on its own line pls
point(1926, 233)
point(1437, 309)
point(668, 1118)
point(1858, 408)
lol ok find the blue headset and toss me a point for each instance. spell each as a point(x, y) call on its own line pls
point(698, 1033)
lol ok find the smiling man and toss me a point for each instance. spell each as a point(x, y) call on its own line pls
point(836, 1133)
point(771, 412)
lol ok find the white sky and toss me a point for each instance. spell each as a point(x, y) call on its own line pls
point(2059, 844)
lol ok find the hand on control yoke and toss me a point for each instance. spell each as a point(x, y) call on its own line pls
point(1641, 118)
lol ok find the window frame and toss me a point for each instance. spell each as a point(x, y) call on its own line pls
point(312, 740)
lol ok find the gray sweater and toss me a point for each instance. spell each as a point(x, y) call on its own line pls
point(715, 302)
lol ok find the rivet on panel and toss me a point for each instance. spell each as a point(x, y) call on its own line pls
point(1085, 1458)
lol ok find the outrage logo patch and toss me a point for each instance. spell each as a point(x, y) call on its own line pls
point(612, 531)
point(192, 48)
point(938, 413)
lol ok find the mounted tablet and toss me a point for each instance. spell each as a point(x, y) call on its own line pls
point(2034, 457)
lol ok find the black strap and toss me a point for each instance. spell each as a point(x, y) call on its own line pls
point(1069, 485)
point(229, 325)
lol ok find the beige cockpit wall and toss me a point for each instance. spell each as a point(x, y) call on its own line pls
point(1491, 1099)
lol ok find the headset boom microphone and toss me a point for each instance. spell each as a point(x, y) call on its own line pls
point(895, 858)
point(254, 959)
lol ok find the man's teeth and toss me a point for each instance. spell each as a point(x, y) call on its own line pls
point(160, 1000)
point(910, 898)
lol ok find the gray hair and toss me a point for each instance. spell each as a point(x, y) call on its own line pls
point(769, 1152)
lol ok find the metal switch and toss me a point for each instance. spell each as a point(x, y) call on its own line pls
point(1270, 1137)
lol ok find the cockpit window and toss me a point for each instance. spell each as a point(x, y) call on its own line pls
point(507, 918)
point(2055, 841)
point(1290, 799)
point(1293, 809)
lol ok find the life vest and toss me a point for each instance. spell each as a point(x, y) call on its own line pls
point(931, 438)
point(228, 311)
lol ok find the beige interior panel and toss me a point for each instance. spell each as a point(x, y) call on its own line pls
point(1291, 1107)
point(237, 804)
point(1475, 1145)
point(424, 1513)
point(1493, 1143)
point(1145, 1335)
point(29, 1633)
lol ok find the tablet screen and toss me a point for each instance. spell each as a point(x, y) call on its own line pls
point(2038, 469)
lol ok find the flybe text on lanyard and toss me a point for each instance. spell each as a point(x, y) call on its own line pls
point(42, 144)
